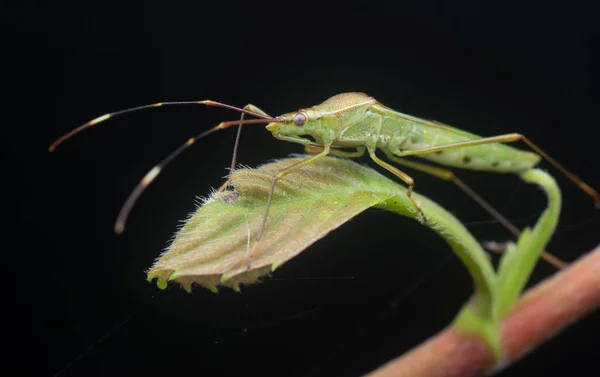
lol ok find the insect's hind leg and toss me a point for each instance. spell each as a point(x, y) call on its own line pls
point(448, 175)
point(404, 177)
point(510, 138)
point(254, 109)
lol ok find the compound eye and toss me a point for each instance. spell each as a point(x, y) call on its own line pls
point(299, 119)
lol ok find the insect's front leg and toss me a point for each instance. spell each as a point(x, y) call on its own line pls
point(254, 109)
point(277, 177)
point(282, 174)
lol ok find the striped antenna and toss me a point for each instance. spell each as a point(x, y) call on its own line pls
point(104, 117)
point(153, 173)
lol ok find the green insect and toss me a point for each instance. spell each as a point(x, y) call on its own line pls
point(358, 122)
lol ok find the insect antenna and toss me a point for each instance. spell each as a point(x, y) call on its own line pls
point(104, 117)
point(151, 175)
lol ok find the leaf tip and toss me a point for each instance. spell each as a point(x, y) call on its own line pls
point(162, 284)
point(276, 265)
point(187, 286)
point(213, 288)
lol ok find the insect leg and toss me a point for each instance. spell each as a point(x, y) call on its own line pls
point(277, 177)
point(404, 177)
point(448, 175)
point(254, 109)
point(155, 171)
point(509, 138)
point(313, 149)
point(282, 174)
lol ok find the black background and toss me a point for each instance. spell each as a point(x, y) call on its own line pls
point(369, 291)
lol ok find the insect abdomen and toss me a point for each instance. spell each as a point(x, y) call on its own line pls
point(493, 157)
point(500, 161)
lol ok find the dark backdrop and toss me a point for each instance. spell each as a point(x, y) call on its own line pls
point(369, 291)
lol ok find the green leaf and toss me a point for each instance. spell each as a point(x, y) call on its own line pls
point(516, 266)
point(214, 246)
point(519, 260)
point(217, 245)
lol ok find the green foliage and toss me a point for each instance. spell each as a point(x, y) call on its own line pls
point(517, 263)
point(217, 245)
